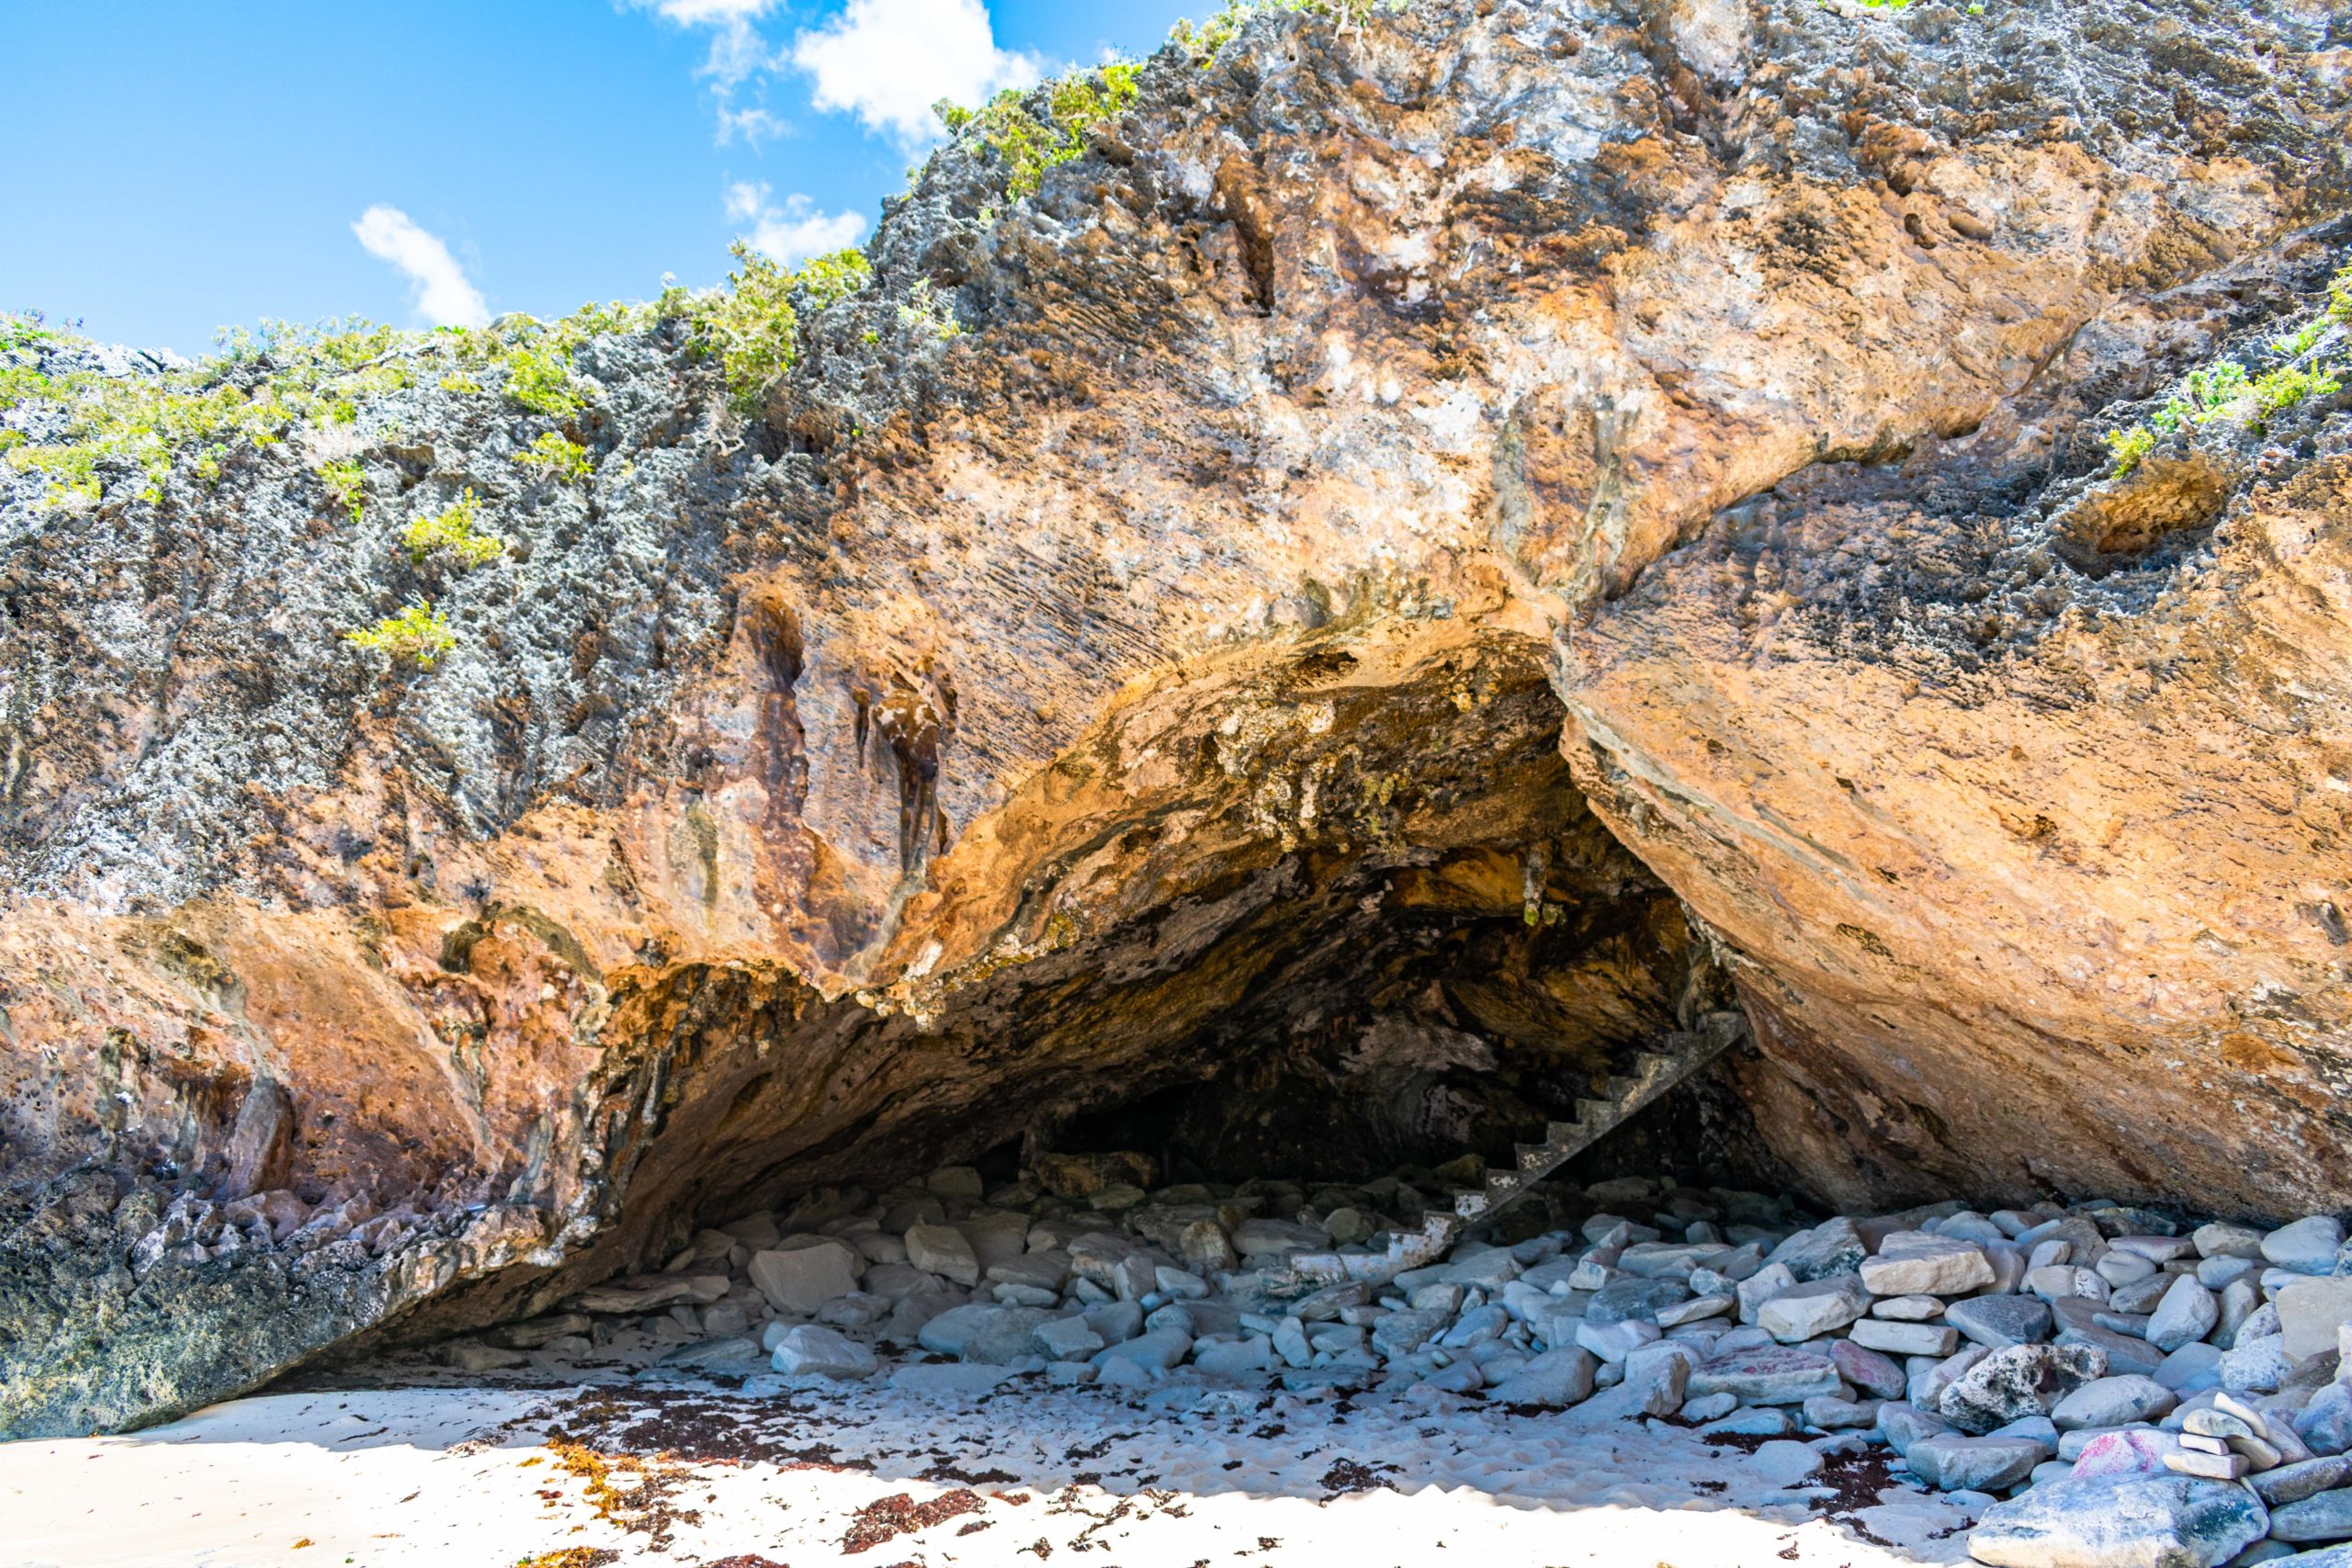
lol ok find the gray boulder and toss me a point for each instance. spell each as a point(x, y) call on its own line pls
point(2184, 1314)
point(2307, 1247)
point(1632, 1297)
point(2322, 1517)
point(1556, 1379)
point(2114, 1402)
point(2134, 1521)
point(1835, 1248)
point(1776, 1375)
point(812, 1350)
point(996, 1335)
point(2293, 1483)
point(1950, 1463)
point(1820, 1306)
point(1998, 1322)
point(2023, 1379)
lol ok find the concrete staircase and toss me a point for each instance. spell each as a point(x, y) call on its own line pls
point(1654, 1072)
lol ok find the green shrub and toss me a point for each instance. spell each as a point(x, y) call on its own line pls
point(417, 635)
point(826, 281)
point(2130, 445)
point(541, 379)
point(455, 533)
point(1026, 146)
point(753, 326)
point(566, 459)
point(2276, 391)
point(345, 479)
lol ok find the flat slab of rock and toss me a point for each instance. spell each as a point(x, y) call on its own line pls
point(1776, 1375)
point(801, 1279)
point(1630, 1296)
point(1952, 1462)
point(1556, 1379)
point(637, 1293)
point(2114, 1402)
point(2124, 1522)
point(945, 1251)
point(2293, 1483)
point(2322, 1517)
point(2309, 1313)
point(1817, 1307)
point(1833, 1248)
point(997, 1335)
point(1998, 1322)
point(1898, 1338)
point(1913, 1263)
point(814, 1349)
point(1275, 1238)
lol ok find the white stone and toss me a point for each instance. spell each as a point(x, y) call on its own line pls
point(1615, 1341)
point(1694, 1310)
point(1814, 1308)
point(2114, 1402)
point(1913, 1263)
point(1908, 1309)
point(801, 1279)
point(1905, 1338)
point(2221, 1240)
point(1761, 1287)
point(2309, 1313)
point(1556, 1379)
point(812, 1349)
point(2133, 1521)
point(2307, 1247)
point(1065, 1340)
point(1235, 1357)
point(2186, 1314)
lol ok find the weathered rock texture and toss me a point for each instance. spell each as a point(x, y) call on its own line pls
point(1163, 680)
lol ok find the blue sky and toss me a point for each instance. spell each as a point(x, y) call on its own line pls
point(173, 167)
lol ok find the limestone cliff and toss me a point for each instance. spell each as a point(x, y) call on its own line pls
point(1437, 549)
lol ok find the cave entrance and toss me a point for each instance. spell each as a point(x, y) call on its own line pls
point(1433, 960)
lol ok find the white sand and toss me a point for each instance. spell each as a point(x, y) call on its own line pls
point(466, 1478)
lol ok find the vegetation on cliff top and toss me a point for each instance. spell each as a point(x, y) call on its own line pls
point(1027, 145)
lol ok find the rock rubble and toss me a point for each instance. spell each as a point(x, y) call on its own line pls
point(1998, 1357)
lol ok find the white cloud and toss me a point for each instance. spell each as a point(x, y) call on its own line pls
point(790, 234)
point(441, 292)
point(888, 60)
point(735, 49)
point(753, 125)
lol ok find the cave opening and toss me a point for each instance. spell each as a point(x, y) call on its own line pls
point(1363, 1020)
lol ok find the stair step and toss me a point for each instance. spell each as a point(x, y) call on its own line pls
point(1654, 1072)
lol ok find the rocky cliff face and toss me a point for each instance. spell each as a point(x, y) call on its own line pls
point(1442, 549)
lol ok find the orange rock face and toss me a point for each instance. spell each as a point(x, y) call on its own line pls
point(1438, 544)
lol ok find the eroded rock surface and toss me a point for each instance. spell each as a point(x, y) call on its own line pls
point(1162, 680)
